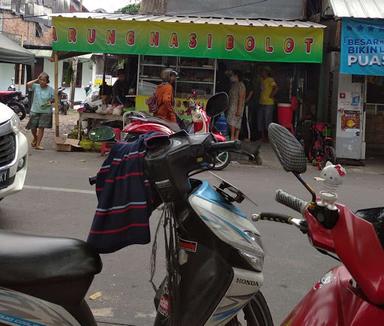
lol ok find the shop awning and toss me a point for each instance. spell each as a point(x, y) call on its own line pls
point(358, 8)
point(219, 38)
point(11, 52)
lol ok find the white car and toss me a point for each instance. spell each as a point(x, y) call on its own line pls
point(13, 153)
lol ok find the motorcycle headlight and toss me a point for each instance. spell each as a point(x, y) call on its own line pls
point(15, 123)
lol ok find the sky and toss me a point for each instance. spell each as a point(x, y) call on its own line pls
point(109, 5)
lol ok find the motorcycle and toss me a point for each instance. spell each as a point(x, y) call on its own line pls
point(353, 293)
point(202, 123)
point(16, 101)
point(63, 101)
point(214, 253)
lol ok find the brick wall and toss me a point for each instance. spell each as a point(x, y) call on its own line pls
point(16, 27)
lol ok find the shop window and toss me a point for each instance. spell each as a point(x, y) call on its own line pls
point(67, 74)
point(38, 30)
point(17, 73)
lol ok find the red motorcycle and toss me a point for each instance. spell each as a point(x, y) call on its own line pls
point(202, 122)
point(353, 293)
point(322, 149)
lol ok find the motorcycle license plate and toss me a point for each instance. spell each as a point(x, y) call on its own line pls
point(3, 177)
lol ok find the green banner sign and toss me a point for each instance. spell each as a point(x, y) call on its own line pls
point(233, 42)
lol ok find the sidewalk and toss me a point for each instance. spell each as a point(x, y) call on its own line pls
point(373, 165)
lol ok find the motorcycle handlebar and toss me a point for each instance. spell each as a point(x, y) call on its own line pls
point(290, 201)
point(225, 146)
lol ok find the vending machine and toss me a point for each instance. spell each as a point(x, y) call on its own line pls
point(350, 133)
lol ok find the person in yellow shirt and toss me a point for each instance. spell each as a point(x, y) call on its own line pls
point(267, 101)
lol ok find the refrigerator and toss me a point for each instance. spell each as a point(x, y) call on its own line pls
point(350, 130)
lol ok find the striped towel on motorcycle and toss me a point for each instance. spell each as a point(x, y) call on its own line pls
point(125, 199)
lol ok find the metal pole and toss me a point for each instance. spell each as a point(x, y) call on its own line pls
point(20, 65)
point(57, 128)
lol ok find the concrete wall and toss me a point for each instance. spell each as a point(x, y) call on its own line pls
point(7, 71)
point(26, 30)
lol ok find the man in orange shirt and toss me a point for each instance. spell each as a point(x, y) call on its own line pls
point(164, 96)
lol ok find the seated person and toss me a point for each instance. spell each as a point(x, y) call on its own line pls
point(105, 93)
point(120, 89)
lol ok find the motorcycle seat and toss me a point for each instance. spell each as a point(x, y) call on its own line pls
point(27, 259)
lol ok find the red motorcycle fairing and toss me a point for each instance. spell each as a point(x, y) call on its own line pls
point(219, 137)
point(6, 93)
point(139, 127)
point(358, 246)
point(333, 301)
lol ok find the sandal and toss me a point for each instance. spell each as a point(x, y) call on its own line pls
point(34, 143)
point(40, 148)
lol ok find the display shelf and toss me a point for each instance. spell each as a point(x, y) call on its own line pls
point(197, 67)
point(150, 79)
point(195, 82)
point(202, 71)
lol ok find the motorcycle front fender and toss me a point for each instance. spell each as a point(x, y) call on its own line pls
point(334, 300)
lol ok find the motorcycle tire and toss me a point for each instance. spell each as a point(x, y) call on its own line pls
point(256, 313)
point(222, 160)
point(330, 154)
point(19, 109)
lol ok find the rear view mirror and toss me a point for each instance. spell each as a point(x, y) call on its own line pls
point(288, 149)
point(217, 104)
point(101, 134)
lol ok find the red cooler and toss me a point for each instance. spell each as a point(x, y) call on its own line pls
point(285, 115)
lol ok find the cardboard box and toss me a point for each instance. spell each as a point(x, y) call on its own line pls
point(66, 145)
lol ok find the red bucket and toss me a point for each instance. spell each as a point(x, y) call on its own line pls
point(285, 115)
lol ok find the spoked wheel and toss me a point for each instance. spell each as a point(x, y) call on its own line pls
point(222, 160)
point(330, 154)
point(255, 313)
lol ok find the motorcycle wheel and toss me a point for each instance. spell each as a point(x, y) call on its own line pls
point(222, 160)
point(255, 313)
point(330, 154)
point(18, 109)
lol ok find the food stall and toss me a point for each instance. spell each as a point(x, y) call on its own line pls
point(191, 45)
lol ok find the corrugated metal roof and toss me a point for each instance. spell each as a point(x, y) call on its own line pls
point(41, 53)
point(358, 8)
point(195, 20)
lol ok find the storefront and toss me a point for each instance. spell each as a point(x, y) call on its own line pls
point(195, 47)
point(360, 104)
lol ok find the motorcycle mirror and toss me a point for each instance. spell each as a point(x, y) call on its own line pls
point(101, 134)
point(288, 149)
point(217, 104)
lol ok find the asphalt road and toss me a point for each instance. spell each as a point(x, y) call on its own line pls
point(58, 201)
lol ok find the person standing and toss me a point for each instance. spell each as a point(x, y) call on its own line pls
point(164, 96)
point(120, 89)
point(252, 102)
point(41, 111)
point(267, 101)
point(236, 104)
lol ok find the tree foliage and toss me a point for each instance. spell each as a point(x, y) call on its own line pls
point(131, 9)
